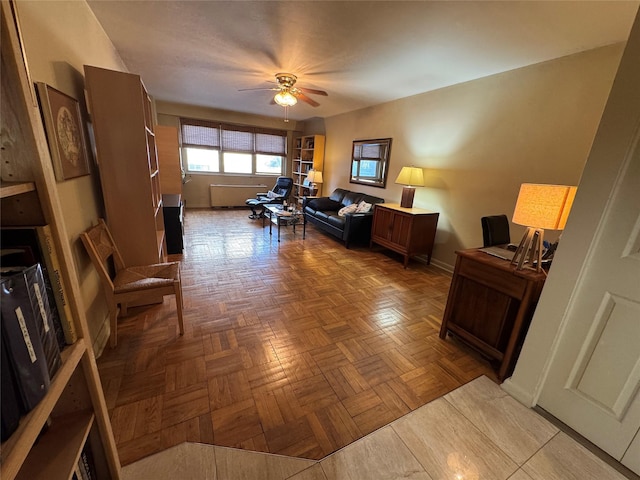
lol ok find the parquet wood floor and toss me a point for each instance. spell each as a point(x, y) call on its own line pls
point(296, 348)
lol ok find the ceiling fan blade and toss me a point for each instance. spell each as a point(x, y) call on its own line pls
point(304, 98)
point(247, 89)
point(311, 90)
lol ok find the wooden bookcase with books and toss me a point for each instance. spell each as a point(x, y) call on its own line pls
point(308, 153)
point(121, 114)
point(50, 439)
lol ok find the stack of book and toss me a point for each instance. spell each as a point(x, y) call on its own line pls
point(86, 469)
point(36, 321)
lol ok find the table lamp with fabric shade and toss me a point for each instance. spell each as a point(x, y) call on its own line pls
point(411, 177)
point(540, 207)
point(314, 177)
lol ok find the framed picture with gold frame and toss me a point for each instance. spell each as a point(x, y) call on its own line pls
point(64, 128)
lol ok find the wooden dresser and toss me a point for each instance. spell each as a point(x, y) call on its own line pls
point(490, 306)
point(408, 231)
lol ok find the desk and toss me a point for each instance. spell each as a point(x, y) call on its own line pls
point(490, 306)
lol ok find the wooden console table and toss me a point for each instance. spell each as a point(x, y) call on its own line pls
point(490, 306)
point(408, 231)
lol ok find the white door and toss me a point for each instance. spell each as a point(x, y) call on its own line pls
point(594, 377)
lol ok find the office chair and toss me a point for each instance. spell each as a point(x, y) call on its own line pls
point(279, 193)
point(129, 284)
point(495, 230)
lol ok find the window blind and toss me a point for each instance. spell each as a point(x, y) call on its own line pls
point(233, 138)
point(199, 133)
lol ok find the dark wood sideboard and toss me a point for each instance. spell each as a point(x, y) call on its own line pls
point(407, 231)
point(490, 306)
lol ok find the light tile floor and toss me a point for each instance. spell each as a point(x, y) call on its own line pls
point(476, 432)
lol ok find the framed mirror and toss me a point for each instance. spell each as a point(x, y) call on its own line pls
point(370, 162)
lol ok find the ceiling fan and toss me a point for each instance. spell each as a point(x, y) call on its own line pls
point(288, 95)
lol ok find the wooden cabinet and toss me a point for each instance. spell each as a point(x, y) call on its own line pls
point(74, 407)
point(408, 231)
point(308, 153)
point(490, 306)
point(127, 158)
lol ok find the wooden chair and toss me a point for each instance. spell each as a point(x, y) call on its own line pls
point(129, 284)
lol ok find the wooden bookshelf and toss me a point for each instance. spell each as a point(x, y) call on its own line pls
point(308, 153)
point(29, 196)
point(128, 162)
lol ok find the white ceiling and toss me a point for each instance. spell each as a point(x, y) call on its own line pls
point(361, 52)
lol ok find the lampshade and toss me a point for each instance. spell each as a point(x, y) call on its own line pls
point(411, 176)
point(284, 98)
point(544, 206)
point(539, 207)
point(314, 176)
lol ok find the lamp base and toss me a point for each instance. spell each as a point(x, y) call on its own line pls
point(407, 197)
point(530, 250)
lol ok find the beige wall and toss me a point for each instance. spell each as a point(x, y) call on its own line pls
point(196, 188)
point(478, 141)
point(611, 147)
point(59, 38)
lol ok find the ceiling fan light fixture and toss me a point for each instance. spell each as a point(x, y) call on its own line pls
point(284, 98)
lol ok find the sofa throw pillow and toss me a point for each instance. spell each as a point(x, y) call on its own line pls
point(363, 207)
point(348, 209)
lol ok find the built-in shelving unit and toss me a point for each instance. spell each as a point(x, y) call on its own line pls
point(49, 439)
point(308, 153)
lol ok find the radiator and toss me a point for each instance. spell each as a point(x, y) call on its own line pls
point(233, 195)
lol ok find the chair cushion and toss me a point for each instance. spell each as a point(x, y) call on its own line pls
point(148, 276)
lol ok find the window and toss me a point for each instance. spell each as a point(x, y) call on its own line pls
point(202, 159)
point(239, 149)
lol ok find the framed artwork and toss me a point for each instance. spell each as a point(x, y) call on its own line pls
point(370, 162)
point(63, 124)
